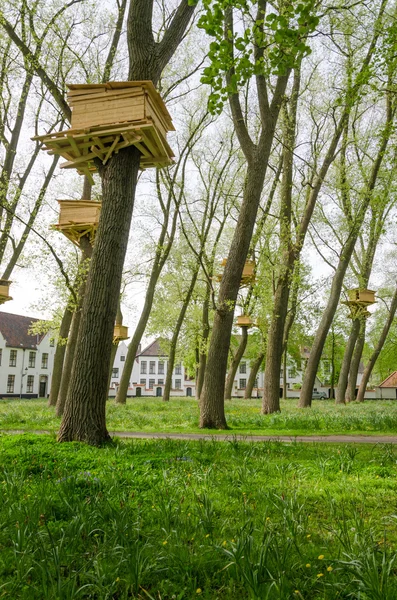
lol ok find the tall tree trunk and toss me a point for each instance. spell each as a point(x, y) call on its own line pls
point(212, 412)
point(84, 416)
point(235, 363)
point(374, 356)
point(203, 343)
point(275, 345)
point(86, 249)
point(175, 335)
point(59, 356)
point(254, 370)
point(347, 358)
point(285, 382)
point(355, 364)
point(332, 383)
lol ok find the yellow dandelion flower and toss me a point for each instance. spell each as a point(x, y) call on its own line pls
point(329, 569)
point(208, 535)
point(320, 574)
point(117, 578)
point(308, 565)
point(198, 591)
point(321, 557)
point(224, 543)
point(308, 536)
point(165, 542)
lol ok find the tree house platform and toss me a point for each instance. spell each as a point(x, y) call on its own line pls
point(244, 321)
point(120, 332)
point(109, 117)
point(78, 218)
point(5, 290)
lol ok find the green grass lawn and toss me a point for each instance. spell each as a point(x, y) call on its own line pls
point(243, 417)
point(166, 520)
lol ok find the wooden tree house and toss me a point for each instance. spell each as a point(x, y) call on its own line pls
point(248, 274)
point(359, 300)
point(5, 290)
point(78, 218)
point(244, 321)
point(107, 117)
point(120, 333)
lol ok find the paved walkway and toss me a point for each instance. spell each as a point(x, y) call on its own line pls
point(229, 437)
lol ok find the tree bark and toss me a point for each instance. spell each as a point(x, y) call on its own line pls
point(203, 343)
point(374, 356)
point(347, 358)
point(86, 249)
point(235, 363)
point(84, 416)
point(175, 336)
point(59, 356)
point(254, 369)
point(353, 373)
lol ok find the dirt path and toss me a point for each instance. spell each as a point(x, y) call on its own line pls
point(229, 437)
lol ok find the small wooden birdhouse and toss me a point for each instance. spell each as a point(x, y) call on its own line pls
point(120, 332)
point(108, 117)
point(248, 271)
point(78, 218)
point(5, 290)
point(244, 321)
point(360, 296)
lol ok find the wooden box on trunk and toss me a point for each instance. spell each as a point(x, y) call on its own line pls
point(118, 102)
point(78, 218)
point(5, 290)
point(120, 332)
point(244, 321)
point(248, 271)
point(361, 296)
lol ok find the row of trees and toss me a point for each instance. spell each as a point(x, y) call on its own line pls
point(287, 156)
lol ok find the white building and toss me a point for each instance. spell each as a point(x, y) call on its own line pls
point(149, 373)
point(26, 359)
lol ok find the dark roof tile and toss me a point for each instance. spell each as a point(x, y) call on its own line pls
point(15, 330)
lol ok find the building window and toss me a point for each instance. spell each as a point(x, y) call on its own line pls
point(178, 384)
point(151, 384)
point(152, 367)
point(142, 381)
point(122, 358)
point(291, 373)
point(10, 384)
point(13, 358)
point(143, 367)
point(178, 369)
point(115, 372)
point(327, 367)
point(29, 384)
point(243, 384)
point(52, 342)
point(256, 383)
point(160, 381)
point(161, 367)
point(32, 360)
point(44, 361)
point(243, 367)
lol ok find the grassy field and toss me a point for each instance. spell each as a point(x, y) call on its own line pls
point(167, 520)
point(243, 417)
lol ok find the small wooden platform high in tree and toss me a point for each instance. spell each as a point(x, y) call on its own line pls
point(108, 117)
point(359, 300)
point(244, 321)
point(248, 274)
point(5, 291)
point(120, 333)
point(78, 218)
